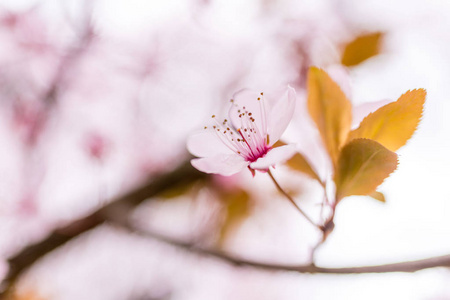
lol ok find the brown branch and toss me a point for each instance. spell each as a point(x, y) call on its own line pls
point(184, 174)
point(407, 266)
point(116, 212)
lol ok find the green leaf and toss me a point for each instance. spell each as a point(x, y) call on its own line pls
point(393, 124)
point(330, 110)
point(362, 48)
point(362, 166)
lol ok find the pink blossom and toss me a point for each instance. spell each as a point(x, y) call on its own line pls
point(97, 145)
point(256, 121)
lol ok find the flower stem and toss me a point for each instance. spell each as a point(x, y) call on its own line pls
point(292, 201)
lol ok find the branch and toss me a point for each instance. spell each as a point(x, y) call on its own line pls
point(116, 213)
point(407, 266)
point(184, 174)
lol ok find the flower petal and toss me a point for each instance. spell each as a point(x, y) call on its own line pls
point(206, 143)
point(281, 114)
point(274, 156)
point(362, 110)
point(248, 99)
point(224, 164)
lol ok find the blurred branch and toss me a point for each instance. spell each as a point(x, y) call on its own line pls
point(75, 53)
point(119, 208)
point(117, 211)
point(407, 266)
point(50, 96)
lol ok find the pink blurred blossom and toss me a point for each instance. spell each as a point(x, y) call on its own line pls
point(97, 146)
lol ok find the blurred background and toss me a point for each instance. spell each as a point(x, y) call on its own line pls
point(98, 97)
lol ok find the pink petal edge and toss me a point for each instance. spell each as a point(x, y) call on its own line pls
point(224, 164)
point(274, 156)
point(205, 143)
point(245, 98)
point(281, 114)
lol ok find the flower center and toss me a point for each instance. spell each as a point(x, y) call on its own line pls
point(247, 140)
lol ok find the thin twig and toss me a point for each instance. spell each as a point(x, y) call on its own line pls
point(292, 200)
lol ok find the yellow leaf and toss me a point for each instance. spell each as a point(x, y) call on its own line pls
point(362, 166)
point(299, 163)
point(393, 124)
point(26, 295)
point(330, 110)
point(362, 48)
point(279, 143)
point(378, 196)
point(237, 205)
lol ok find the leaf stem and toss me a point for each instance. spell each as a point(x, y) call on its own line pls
point(292, 200)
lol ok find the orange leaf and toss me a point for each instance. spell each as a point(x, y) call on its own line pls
point(393, 124)
point(361, 48)
point(279, 143)
point(238, 207)
point(299, 163)
point(26, 295)
point(330, 109)
point(362, 166)
point(378, 196)
point(179, 190)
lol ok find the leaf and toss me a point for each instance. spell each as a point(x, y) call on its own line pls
point(362, 166)
point(393, 125)
point(179, 190)
point(330, 110)
point(26, 295)
point(238, 206)
point(378, 196)
point(362, 48)
point(299, 163)
point(279, 143)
